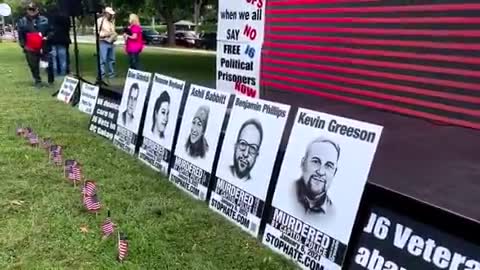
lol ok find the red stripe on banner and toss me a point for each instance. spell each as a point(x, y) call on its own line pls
point(381, 85)
point(410, 8)
point(381, 64)
point(322, 49)
point(373, 31)
point(393, 76)
point(378, 42)
point(355, 91)
point(354, 20)
point(290, 88)
point(312, 2)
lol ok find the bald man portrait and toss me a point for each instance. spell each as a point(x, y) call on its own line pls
point(319, 167)
point(246, 149)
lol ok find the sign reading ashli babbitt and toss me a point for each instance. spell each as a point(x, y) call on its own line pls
point(131, 110)
point(200, 130)
point(161, 121)
point(104, 118)
point(247, 159)
point(319, 188)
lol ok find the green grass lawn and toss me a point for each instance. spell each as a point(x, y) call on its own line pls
point(41, 213)
point(197, 68)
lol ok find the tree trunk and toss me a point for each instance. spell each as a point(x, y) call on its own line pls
point(197, 6)
point(170, 30)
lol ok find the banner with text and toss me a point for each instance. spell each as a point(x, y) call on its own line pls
point(104, 118)
point(67, 89)
point(247, 159)
point(88, 98)
point(161, 121)
point(323, 175)
point(131, 110)
point(200, 131)
point(238, 68)
point(393, 241)
point(241, 21)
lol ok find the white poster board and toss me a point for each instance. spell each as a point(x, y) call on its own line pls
point(247, 159)
point(131, 110)
point(241, 21)
point(88, 98)
point(238, 68)
point(161, 121)
point(321, 181)
point(67, 89)
point(200, 130)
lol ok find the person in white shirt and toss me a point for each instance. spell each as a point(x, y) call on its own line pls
point(107, 37)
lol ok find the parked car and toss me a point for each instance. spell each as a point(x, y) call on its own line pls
point(207, 41)
point(152, 37)
point(186, 38)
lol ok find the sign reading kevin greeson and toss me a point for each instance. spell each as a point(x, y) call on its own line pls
point(319, 188)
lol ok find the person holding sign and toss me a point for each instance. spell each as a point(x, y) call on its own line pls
point(319, 167)
point(249, 140)
point(128, 116)
point(160, 115)
point(197, 145)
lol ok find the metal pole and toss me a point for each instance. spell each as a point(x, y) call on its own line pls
point(97, 41)
point(75, 44)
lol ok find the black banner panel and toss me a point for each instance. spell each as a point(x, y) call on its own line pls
point(104, 118)
point(392, 237)
point(417, 57)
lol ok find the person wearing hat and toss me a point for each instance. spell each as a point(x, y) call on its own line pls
point(34, 31)
point(197, 145)
point(107, 37)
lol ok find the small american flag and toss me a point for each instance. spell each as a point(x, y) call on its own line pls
point(122, 246)
point(108, 227)
point(26, 132)
point(75, 174)
point(33, 140)
point(89, 188)
point(20, 131)
point(91, 203)
point(56, 154)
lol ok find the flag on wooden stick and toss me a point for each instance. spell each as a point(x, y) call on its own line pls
point(73, 171)
point(56, 155)
point(33, 139)
point(122, 246)
point(108, 227)
point(89, 188)
point(91, 203)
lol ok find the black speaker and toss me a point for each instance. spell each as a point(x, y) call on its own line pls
point(93, 6)
point(70, 7)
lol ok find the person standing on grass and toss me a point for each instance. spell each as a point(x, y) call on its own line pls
point(60, 42)
point(134, 41)
point(33, 33)
point(108, 37)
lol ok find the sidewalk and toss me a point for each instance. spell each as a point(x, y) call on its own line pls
point(91, 40)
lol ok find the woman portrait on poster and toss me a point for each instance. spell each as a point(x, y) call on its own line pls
point(197, 145)
point(160, 116)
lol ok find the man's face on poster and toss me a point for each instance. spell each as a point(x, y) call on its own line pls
point(319, 167)
point(246, 150)
point(132, 100)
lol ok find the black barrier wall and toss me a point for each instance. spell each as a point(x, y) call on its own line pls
point(390, 231)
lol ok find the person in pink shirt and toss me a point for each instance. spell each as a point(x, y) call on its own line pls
point(134, 41)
